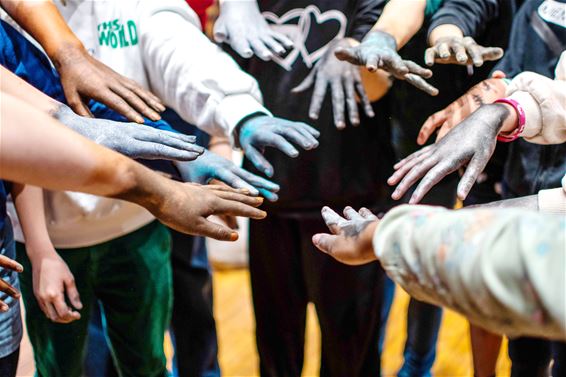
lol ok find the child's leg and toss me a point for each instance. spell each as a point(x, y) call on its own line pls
point(134, 285)
point(59, 348)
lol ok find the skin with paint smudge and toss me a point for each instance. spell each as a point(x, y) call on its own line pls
point(450, 46)
point(212, 166)
point(378, 50)
point(470, 143)
point(351, 238)
point(345, 83)
point(485, 92)
point(262, 131)
point(242, 26)
point(131, 139)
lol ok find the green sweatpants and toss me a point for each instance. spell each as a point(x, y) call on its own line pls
point(131, 277)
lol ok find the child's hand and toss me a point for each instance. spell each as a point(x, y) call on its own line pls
point(52, 280)
point(8, 264)
point(351, 238)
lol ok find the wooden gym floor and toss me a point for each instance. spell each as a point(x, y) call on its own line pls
point(238, 356)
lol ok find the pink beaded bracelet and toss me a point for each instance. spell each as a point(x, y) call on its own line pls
point(522, 120)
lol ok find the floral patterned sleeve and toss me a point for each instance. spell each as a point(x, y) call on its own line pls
point(504, 269)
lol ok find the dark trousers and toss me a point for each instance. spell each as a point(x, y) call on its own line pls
point(530, 357)
point(9, 364)
point(287, 273)
point(192, 324)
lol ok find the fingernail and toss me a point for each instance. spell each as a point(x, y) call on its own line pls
point(316, 238)
point(234, 236)
point(372, 68)
point(4, 308)
point(313, 116)
point(340, 125)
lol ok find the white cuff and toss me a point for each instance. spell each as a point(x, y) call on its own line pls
point(552, 201)
point(533, 116)
point(233, 108)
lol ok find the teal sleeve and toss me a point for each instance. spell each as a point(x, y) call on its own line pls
point(432, 6)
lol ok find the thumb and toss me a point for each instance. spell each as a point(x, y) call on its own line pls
point(324, 242)
point(73, 294)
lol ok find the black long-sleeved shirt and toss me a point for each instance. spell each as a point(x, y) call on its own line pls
point(350, 167)
point(472, 17)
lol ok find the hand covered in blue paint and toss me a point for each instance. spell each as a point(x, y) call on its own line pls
point(264, 131)
point(378, 50)
point(131, 139)
point(345, 84)
point(351, 238)
point(212, 166)
point(242, 26)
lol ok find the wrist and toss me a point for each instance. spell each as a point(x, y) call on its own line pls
point(66, 52)
point(511, 121)
point(514, 122)
point(37, 251)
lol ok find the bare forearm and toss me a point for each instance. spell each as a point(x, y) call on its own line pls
point(28, 201)
point(38, 150)
point(402, 20)
point(42, 20)
point(15, 86)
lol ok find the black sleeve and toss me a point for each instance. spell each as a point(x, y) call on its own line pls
point(471, 16)
point(365, 15)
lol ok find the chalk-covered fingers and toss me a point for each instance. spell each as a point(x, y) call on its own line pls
point(264, 131)
point(241, 24)
point(463, 51)
point(344, 81)
point(348, 243)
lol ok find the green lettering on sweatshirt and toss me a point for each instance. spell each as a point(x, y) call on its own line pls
point(115, 35)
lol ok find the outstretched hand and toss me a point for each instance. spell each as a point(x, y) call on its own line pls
point(378, 50)
point(345, 83)
point(262, 131)
point(462, 51)
point(470, 143)
point(188, 205)
point(212, 166)
point(351, 238)
point(83, 78)
point(132, 139)
point(242, 26)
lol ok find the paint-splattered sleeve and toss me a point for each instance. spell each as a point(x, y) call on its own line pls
point(504, 269)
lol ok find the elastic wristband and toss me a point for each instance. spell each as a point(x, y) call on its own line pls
point(514, 135)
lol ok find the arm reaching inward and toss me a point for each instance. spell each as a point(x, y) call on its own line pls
point(36, 149)
point(83, 77)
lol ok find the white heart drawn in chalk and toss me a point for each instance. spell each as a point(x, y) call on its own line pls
point(302, 30)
